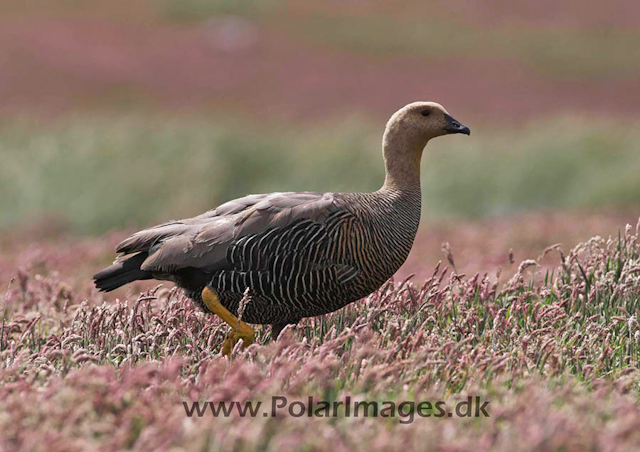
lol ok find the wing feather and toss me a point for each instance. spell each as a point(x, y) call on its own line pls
point(202, 241)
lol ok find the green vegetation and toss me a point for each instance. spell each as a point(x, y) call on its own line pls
point(558, 163)
point(107, 173)
point(102, 174)
point(557, 52)
point(426, 29)
point(199, 9)
point(593, 52)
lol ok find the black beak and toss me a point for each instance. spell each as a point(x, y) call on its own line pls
point(454, 126)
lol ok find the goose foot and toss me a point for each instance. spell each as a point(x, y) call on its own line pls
point(241, 330)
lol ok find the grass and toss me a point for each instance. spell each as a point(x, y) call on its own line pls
point(558, 163)
point(109, 173)
point(562, 52)
point(557, 360)
point(431, 31)
point(581, 50)
point(555, 352)
point(104, 174)
point(191, 10)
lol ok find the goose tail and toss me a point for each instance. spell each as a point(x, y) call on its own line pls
point(121, 273)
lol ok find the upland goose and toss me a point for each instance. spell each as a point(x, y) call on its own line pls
point(292, 255)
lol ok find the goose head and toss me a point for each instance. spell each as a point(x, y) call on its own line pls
point(407, 133)
point(422, 121)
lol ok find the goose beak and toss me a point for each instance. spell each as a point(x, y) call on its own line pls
point(454, 126)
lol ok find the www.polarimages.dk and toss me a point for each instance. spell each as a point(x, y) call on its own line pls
point(405, 411)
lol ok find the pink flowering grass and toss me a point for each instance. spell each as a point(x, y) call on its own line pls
point(555, 352)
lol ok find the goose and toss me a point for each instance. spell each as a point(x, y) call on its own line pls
point(286, 256)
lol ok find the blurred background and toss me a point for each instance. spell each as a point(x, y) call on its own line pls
point(117, 115)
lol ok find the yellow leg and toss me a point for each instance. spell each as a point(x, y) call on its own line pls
point(240, 329)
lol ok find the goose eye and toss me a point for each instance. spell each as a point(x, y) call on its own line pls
point(424, 112)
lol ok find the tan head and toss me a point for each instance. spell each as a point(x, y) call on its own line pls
point(422, 121)
point(408, 132)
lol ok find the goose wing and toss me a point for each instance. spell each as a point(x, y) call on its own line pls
point(203, 241)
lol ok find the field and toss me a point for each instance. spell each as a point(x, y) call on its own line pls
point(557, 360)
point(522, 288)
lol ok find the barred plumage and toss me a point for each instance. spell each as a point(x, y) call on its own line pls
point(309, 268)
point(294, 254)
